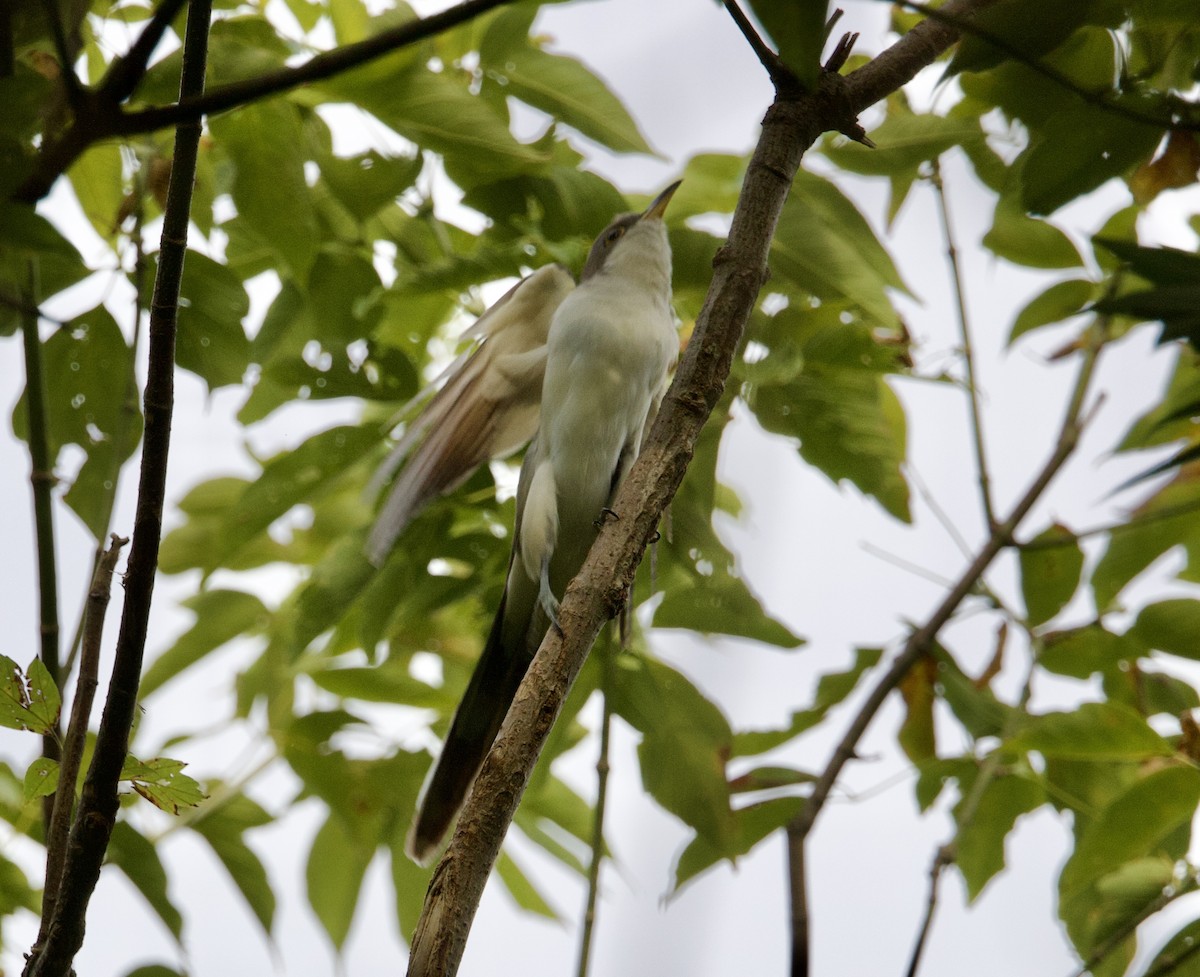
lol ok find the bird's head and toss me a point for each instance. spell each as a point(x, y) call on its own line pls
point(620, 229)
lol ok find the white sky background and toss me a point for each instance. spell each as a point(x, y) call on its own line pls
point(693, 86)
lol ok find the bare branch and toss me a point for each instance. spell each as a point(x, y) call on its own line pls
point(97, 812)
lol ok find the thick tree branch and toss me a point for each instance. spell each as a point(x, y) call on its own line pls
point(106, 119)
point(790, 127)
point(98, 804)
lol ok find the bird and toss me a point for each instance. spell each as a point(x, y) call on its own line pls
point(610, 348)
point(486, 406)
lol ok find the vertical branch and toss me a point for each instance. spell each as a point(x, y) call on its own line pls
point(94, 612)
point(97, 813)
point(798, 894)
point(41, 477)
point(608, 655)
point(964, 332)
point(944, 857)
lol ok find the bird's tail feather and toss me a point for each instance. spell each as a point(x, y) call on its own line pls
point(478, 719)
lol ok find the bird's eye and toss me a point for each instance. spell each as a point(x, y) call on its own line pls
point(615, 233)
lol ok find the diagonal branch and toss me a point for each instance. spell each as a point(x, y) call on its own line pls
point(790, 127)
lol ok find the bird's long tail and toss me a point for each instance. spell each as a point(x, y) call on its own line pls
point(478, 719)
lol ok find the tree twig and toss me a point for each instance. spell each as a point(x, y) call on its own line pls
point(41, 479)
point(941, 859)
point(608, 653)
point(95, 609)
point(790, 126)
point(126, 72)
point(798, 904)
point(96, 816)
point(968, 353)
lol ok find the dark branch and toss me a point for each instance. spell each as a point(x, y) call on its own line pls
point(127, 71)
point(97, 813)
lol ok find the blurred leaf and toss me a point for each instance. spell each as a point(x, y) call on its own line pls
point(917, 736)
point(1025, 28)
point(754, 824)
point(831, 690)
point(337, 863)
point(798, 29)
point(1051, 567)
point(1172, 626)
point(525, 894)
point(137, 857)
point(1059, 302)
point(1081, 652)
point(686, 742)
point(824, 246)
point(1028, 241)
point(1175, 167)
point(1095, 731)
point(1177, 956)
point(370, 180)
point(223, 828)
point(979, 842)
point(99, 183)
point(221, 615)
point(210, 340)
point(269, 187)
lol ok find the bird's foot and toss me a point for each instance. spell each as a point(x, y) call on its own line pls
point(605, 514)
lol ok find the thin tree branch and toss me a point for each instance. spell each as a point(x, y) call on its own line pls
point(126, 72)
point(608, 653)
point(42, 481)
point(968, 353)
point(66, 62)
point(941, 859)
point(105, 118)
point(97, 812)
point(95, 609)
point(790, 126)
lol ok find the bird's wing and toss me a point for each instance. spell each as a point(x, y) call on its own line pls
point(487, 406)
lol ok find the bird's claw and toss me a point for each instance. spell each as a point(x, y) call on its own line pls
point(547, 599)
point(605, 514)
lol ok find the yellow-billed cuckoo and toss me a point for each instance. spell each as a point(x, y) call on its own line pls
point(610, 345)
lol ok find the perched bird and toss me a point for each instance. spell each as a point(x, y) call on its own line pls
point(611, 344)
point(487, 406)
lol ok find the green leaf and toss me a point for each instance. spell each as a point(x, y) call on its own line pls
point(29, 699)
point(1059, 302)
point(754, 824)
point(1172, 626)
point(269, 188)
point(560, 86)
point(832, 688)
point(980, 841)
point(41, 779)
point(1160, 265)
point(686, 742)
point(522, 889)
point(1026, 29)
point(1076, 151)
point(1028, 241)
point(1175, 306)
point(210, 340)
point(1081, 652)
point(223, 828)
point(163, 783)
point(337, 863)
point(1094, 731)
point(824, 246)
point(1051, 567)
point(365, 183)
point(1178, 955)
point(137, 857)
point(439, 113)
point(798, 29)
point(1143, 820)
point(221, 615)
point(99, 183)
